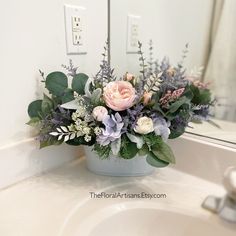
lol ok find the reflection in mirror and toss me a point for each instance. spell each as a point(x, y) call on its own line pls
point(207, 26)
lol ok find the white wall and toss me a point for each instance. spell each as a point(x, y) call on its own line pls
point(169, 23)
point(32, 37)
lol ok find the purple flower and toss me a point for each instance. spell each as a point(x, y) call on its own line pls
point(134, 114)
point(113, 126)
point(161, 127)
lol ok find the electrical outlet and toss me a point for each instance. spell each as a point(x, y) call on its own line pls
point(77, 28)
point(75, 24)
point(133, 28)
point(76, 38)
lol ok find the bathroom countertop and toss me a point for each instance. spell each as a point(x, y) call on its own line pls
point(40, 206)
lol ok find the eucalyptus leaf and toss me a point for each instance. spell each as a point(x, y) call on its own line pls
point(78, 83)
point(47, 105)
point(56, 83)
point(68, 95)
point(34, 109)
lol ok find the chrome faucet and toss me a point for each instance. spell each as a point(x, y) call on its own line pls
point(225, 207)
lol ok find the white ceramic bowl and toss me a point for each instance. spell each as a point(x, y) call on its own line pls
point(116, 166)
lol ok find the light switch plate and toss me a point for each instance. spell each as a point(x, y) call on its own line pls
point(133, 33)
point(76, 29)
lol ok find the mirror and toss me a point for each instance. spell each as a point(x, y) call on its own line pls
point(165, 26)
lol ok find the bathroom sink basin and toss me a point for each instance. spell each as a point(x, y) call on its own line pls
point(59, 203)
point(144, 217)
point(149, 222)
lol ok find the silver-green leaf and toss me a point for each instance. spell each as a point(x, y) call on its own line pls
point(136, 139)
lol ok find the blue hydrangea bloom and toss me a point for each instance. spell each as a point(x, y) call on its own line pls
point(113, 127)
point(161, 127)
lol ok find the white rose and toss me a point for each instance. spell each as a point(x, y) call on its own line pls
point(99, 113)
point(144, 125)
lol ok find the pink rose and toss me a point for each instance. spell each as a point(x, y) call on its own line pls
point(99, 113)
point(119, 95)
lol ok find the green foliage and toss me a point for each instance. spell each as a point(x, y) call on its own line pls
point(56, 83)
point(128, 149)
point(183, 103)
point(201, 96)
point(177, 133)
point(68, 95)
point(188, 92)
point(39, 109)
point(34, 121)
point(34, 109)
point(179, 121)
point(152, 140)
point(136, 139)
point(96, 95)
point(144, 150)
point(49, 142)
point(205, 96)
point(47, 105)
point(142, 60)
point(163, 152)
point(102, 151)
point(157, 107)
point(155, 161)
point(176, 105)
point(78, 83)
point(159, 154)
point(56, 101)
point(80, 141)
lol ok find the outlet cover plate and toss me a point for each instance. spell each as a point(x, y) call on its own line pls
point(78, 12)
point(133, 33)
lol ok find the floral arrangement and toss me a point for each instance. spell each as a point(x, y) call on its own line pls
point(129, 116)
